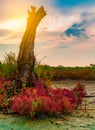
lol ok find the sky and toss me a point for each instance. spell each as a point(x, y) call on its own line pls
point(65, 36)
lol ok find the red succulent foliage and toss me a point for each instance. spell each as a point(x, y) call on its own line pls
point(42, 99)
point(80, 93)
point(47, 100)
point(22, 105)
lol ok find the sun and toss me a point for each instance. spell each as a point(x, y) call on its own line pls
point(13, 24)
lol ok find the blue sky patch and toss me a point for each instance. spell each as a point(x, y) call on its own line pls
point(71, 3)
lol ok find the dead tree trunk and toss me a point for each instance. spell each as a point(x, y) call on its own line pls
point(26, 59)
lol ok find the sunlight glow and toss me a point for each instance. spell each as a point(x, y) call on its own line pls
point(13, 24)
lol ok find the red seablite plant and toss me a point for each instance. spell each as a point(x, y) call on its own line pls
point(79, 93)
point(22, 105)
point(4, 93)
point(47, 100)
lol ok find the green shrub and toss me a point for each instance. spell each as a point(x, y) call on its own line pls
point(9, 65)
point(61, 72)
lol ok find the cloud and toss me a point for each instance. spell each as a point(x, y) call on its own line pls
point(9, 37)
point(84, 46)
point(11, 31)
point(77, 30)
point(7, 48)
point(80, 29)
point(62, 47)
point(58, 27)
point(4, 32)
point(63, 28)
point(91, 31)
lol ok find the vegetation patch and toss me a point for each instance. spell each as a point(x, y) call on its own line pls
point(41, 99)
point(63, 72)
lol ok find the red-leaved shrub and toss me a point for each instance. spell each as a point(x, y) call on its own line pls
point(79, 93)
point(47, 100)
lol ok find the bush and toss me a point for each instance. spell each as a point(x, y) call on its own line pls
point(3, 94)
point(41, 99)
point(61, 72)
point(8, 68)
point(31, 101)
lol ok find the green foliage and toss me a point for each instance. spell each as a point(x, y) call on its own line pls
point(61, 72)
point(45, 71)
point(8, 67)
point(3, 95)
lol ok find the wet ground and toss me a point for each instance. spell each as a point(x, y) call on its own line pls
point(81, 119)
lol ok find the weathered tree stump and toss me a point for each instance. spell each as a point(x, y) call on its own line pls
point(26, 58)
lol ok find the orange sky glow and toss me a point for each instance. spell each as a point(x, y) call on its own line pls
point(66, 35)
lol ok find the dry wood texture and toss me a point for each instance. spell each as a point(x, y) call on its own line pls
point(26, 59)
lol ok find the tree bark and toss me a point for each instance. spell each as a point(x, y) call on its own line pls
point(26, 58)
